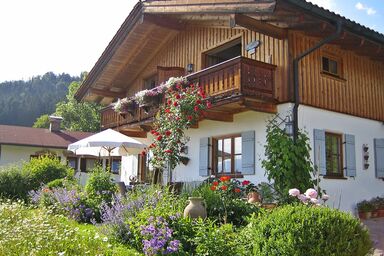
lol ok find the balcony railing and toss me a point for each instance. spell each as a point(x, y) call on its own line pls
point(239, 76)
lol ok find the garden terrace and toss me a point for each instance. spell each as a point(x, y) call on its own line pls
point(233, 86)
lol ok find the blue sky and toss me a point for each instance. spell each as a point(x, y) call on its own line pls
point(70, 35)
point(369, 13)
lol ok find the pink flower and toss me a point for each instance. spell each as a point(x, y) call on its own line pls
point(311, 193)
point(245, 182)
point(294, 192)
point(325, 197)
point(302, 198)
point(314, 201)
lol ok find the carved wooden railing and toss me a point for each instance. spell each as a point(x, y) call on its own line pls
point(235, 77)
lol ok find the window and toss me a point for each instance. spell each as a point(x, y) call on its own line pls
point(72, 162)
point(222, 53)
point(331, 65)
point(115, 166)
point(227, 155)
point(150, 82)
point(333, 152)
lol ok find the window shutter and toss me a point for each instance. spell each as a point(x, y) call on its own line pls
point(319, 151)
point(204, 157)
point(379, 157)
point(350, 155)
point(248, 152)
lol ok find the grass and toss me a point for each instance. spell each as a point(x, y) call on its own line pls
point(29, 231)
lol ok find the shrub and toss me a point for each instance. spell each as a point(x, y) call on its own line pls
point(100, 186)
point(303, 230)
point(223, 207)
point(13, 183)
point(216, 240)
point(42, 170)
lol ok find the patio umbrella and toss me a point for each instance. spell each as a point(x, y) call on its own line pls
point(106, 143)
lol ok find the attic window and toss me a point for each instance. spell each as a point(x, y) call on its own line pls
point(331, 65)
point(222, 53)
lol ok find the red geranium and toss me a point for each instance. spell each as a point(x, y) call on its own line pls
point(168, 151)
point(159, 137)
point(196, 108)
point(245, 182)
point(167, 110)
point(168, 133)
point(213, 188)
point(175, 104)
point(215, 183)
point(225, 178)
point(237, 190)
point(177, 96)
point(224, 187)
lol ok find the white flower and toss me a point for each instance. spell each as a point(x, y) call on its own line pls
point(96, 236)
point(294, 192)
point(105, 239)
point(311, 193)
point(61, 253)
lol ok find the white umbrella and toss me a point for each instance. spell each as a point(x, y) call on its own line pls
point(106, 143)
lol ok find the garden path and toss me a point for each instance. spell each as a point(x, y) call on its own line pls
point(376, 228)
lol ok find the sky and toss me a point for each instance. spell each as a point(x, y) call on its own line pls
point(68, 36)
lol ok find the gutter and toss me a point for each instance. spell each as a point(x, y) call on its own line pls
point(296, 60)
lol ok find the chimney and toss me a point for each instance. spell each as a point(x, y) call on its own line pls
point(54, 123)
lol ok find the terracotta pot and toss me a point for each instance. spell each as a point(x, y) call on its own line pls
point(253, 197)
point(375, 214)
point(196, 208)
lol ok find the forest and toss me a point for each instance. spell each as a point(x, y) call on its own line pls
point(21, 102)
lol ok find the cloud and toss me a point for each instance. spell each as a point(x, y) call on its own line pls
point(361, 7)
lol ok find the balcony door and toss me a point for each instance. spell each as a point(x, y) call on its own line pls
point(222, 53)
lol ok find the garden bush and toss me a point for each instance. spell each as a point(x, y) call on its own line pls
point(44, 169)
point(226, 206)
point(13, 183)
point(305, 230)
point(100, 186)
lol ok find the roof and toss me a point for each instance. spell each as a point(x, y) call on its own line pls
point(38, 137)
point(106, 73)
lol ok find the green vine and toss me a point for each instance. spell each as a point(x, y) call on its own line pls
point(287, 164)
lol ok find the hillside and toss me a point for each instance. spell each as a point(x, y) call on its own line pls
point(21, 102)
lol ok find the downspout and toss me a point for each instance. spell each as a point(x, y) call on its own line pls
point(296, 76)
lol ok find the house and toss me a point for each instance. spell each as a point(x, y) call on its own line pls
point(19, 144)
point(255, 59)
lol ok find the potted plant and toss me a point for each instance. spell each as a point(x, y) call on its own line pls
point(380, 207)
point(125, 106)
point(148, 98)
point(364, 209)
point(376, 206)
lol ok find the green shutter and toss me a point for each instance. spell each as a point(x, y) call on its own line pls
point(350, 155)
point(248, 152)
point(379, 157)
point(319, 151)
point(204, 157)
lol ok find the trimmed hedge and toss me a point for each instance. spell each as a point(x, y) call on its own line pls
point(303, 230)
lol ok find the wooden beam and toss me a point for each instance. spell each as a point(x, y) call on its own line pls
point(218, 116)
point(260, 26)
point(209, 6)
point(134, 133)
point(261, 106)
point(164, 22)
point(107, 93)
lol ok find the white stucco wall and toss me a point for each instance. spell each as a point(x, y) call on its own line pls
point(365, 185)
point(11, 154)
point(344, 193)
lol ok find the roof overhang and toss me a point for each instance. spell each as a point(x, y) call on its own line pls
point(153, 23)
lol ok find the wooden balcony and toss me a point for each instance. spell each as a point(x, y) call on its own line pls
point(233, 86)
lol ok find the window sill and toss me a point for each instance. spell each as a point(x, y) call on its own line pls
point(334, 177)
point(232, 175)
point(333, 76)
